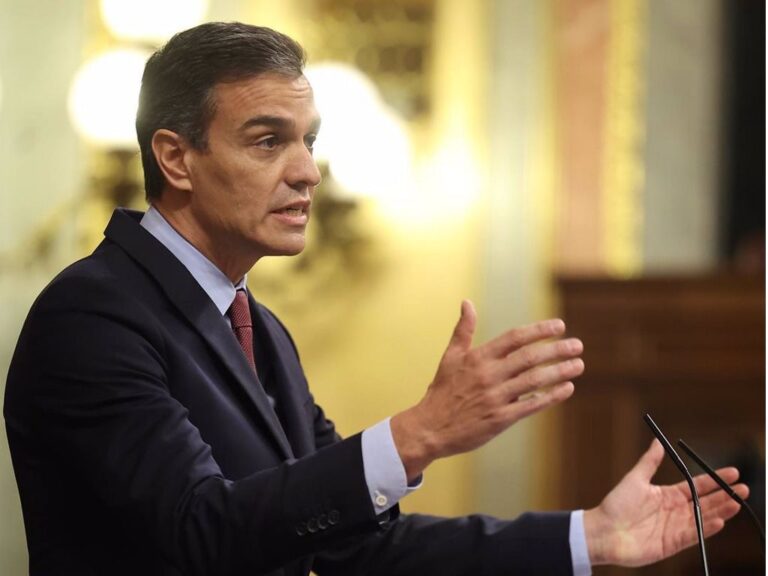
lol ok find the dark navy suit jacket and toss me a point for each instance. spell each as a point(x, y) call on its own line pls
point(143, 444)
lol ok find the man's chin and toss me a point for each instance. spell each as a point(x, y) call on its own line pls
point(288, 249)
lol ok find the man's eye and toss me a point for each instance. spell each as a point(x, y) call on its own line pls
point(269, 143)
point(309, 141)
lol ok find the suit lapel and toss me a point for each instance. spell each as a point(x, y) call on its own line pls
point(289, 382)
point(194, 304)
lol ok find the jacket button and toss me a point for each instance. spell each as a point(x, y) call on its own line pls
point(333, 517)
point(312, 526)
point(322, 521)
point(301, 528)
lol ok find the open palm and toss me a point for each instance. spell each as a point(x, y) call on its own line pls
point(639, 523)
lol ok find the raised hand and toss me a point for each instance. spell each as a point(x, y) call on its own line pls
point(640, 523)
point(479, 392)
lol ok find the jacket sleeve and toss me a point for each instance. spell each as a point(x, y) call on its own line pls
point(414, 544)
point(88, 383)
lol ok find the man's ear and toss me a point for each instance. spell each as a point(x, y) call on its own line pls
point(170, 150)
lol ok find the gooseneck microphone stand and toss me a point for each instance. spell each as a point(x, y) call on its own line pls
point(674, 456)
point(728, 490)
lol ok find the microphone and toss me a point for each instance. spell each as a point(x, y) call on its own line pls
point(724, 485)
point(675, 457)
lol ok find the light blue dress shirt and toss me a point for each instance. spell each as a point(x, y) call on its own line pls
point(383, 469)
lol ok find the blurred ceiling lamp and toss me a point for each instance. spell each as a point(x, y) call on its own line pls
point(365, 144)
point(377, 162)
point(151, 20)
point(104, 96)
point(343, 95)
point(451, 179)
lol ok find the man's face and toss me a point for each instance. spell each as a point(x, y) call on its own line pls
point(252, 186)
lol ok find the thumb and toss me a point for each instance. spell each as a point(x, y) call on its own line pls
point(465, 327)
point(649, 462)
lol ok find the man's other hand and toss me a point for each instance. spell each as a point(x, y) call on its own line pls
point(639, 523)
point(479, 392)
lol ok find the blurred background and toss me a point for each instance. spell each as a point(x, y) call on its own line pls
point(601, 160)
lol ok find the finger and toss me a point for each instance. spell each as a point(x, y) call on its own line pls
point(719, 505)
point(465, 327)
point(742, 490)
point(711, 523)
point(510, 341)
point(710, 526)
point(649, 462)
point(537, 402)
point(705, 484)
point(537, 354)
point(712, 502)
point(544, 376)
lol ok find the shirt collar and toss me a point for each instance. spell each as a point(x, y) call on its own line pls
point(212, 280)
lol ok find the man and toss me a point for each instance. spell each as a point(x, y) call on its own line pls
point(159, 419)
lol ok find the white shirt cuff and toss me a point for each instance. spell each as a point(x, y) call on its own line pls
point(384, 471)
point(578, 542)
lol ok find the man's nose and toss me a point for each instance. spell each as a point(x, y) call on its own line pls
point(303, 170)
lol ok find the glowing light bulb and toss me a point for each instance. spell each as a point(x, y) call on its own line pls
point(104, 97)
point(151, 20)
point(365, 144)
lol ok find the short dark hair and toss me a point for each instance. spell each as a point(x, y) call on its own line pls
point(179, 79)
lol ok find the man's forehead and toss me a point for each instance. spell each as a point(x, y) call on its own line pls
point(270, 87)
point(267, 95)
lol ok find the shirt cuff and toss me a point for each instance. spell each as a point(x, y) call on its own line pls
point(578, 542)
point(384, 471)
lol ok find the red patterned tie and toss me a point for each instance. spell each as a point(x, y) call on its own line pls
point(240, 316)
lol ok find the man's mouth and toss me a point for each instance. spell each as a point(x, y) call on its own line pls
point(292, 211)
point(296, 214)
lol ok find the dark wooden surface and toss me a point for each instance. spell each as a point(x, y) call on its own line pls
point(691, 352)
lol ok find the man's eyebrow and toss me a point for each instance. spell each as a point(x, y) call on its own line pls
point(276, 122)
point(266, 120)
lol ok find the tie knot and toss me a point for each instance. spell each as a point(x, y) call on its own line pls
point(239, 313)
